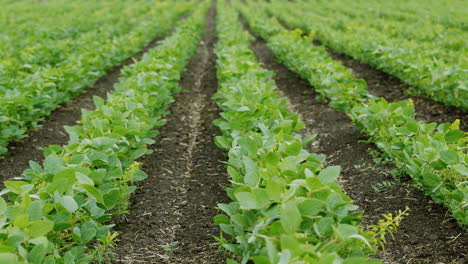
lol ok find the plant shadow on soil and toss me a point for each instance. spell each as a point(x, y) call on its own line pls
point(428, 234)
point(171, 212)
point(52, 130)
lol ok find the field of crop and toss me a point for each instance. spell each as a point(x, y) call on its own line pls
point(240, 131)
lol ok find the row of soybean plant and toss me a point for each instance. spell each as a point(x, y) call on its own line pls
point(58, 61)
point(432, 69)
point(60, 211)
point(433, 155)
point(286, 206)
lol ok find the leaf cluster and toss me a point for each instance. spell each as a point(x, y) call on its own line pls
point(53, 68)
point(287, 207)
point(434, 156)
point(60, 211)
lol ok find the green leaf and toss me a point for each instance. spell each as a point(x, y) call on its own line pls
point(69, 258)
point(335, 200)
point(292, 244)
point(53, 164)
point(430, 179)
point(438, 164)
point(62, 181)
point(40, 228)
point(449, 156)
point(98, 101)
point(462, 169)
point(260, 260)
point(231, 261)
point(360, 260)
point(272, 251)
point(94, 192)
point(251, 168)
point(274, 190)
point(330, 258)
point(329, 174)
point(37, 254)
point(241, 220)
point(285, 257)
point(221, 219)
point(69, 203)
point(290, 217)
point(74, 133)
point(8, 258)
point(112, 198)
point(3, 206)
point(324, 226)
point(294, 148)
point(88, 231)
point(40, 241)
point(262, 197)
point(21, 221)
point(346, 231)
point(15, 186)
point(308, 138)
point(246, 200)
point(139, 175)
point(272, 158)
point(454, 136)
point(412, 126)
point(311, 207)
point(138, 153)
point(62, 217)
point(222, 142)
point(35, 210)
point(35, 166)
point(15, 240)
point(83, 179)
point(104, 143)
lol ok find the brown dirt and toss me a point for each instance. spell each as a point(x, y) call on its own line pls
point(51, 131)
point(171, 212)
point(393, 89)
point(428, 234)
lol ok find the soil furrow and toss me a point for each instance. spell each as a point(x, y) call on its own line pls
point(170, 219)
point(427, 235)
point(393, 89)
point(51, 131)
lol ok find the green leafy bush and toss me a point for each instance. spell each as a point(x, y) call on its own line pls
point(287, 207)
point(434, 157)
point(34, 82)
point(60, 211)
point(431, 69)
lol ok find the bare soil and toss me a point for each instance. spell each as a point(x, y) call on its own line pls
point(51, 131)
point(171, 212)
point(428, 234)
